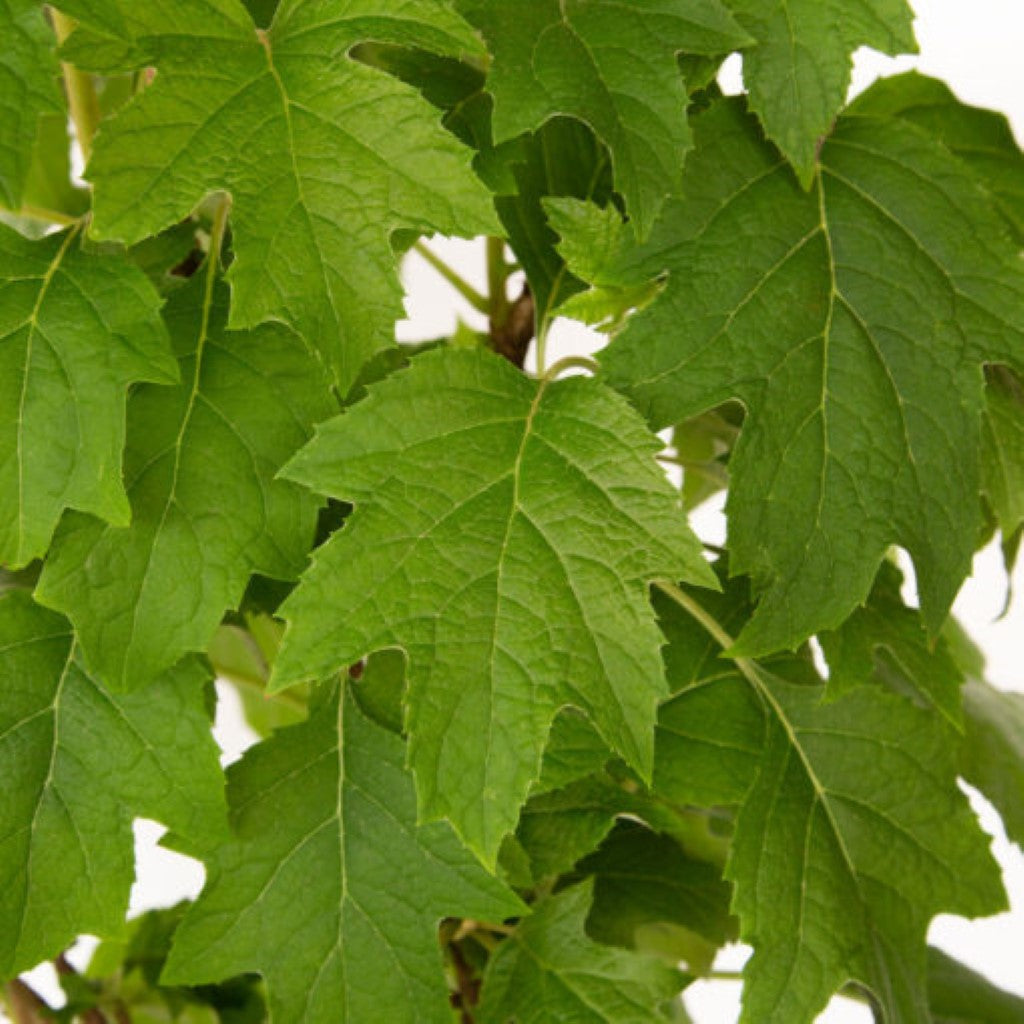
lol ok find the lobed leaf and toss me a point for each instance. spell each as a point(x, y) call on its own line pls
point(79, 762)
point(330, 889)
point(504, 535)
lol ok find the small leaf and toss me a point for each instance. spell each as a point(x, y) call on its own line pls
point(330, 889)
point(550, 972)
point(504, 535)
point(958, 995)
point(76, 328)
point(79, 763)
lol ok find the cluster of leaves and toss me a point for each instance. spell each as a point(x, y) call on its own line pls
point(514, 764)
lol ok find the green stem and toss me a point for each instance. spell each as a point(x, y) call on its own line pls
point(459, 283)
point(83, 104)
point(713, 628)
point(498, 305)
point(723, 976)
point(568, 363)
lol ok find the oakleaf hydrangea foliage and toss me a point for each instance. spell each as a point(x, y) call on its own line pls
point(529, 750)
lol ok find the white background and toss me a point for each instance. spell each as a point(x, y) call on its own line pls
point(977, 47)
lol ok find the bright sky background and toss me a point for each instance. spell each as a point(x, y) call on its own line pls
point(976, 48)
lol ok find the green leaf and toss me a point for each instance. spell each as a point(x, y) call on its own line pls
point(574, 750)
point(327, 174)
point(504, 535)
point(958, 995)
point(644, 881)
point(76, 328)
point(844, 320)
point(798, 71)
point(851, 836)
point(611, 66)
point(330, 890)
point(79, 763)
point(885, 641)
point(1003, 447)
point(28, 91)
point(200, 467)
point(981, 138)
point(992, 754)
point(550, 972)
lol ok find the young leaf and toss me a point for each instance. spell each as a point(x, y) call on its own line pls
point(504, 535)
point(330, 889)
point(76, 328)
point(798, 71)
point(306, 140)
point(845, 320)
point(550, 971)
point(28, 91)
point(613, 67)
point(200, 468)
point(78, 764)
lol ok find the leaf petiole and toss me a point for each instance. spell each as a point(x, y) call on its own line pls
point(460, 284)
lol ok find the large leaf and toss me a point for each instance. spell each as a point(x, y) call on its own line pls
point(306, 140)
point(504, 535)
point(610, 65)
point(851, 836)
point(550, 971)
point(78, 764)
point(330, 889)
point(798, 72)
point(28, 91)
point(200, 468)
point(76, 328)
point(852, 322)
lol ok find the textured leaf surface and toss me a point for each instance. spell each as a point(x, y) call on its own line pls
point(28, 91)
point(78, 764)
point(845, 320)
point(1003, 451)
point(504, 535)
point(76, 328)
point(200, 468)
point(851, 836)
point(609, 65)
point(324, 157)
point(981, 138)
point(330, 890)
point(798, 72)
point(550, 971)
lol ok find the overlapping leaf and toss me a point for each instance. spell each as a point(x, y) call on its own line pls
point(324, 156)
point(330, 890)
point(76, 328)
point(551, 971)
point(28, 91)
point(852, 322)
point(78, 764)
point(504, 535)
point(200, 467)
point(609, 65)
point(798, 71)
point(850, 837)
